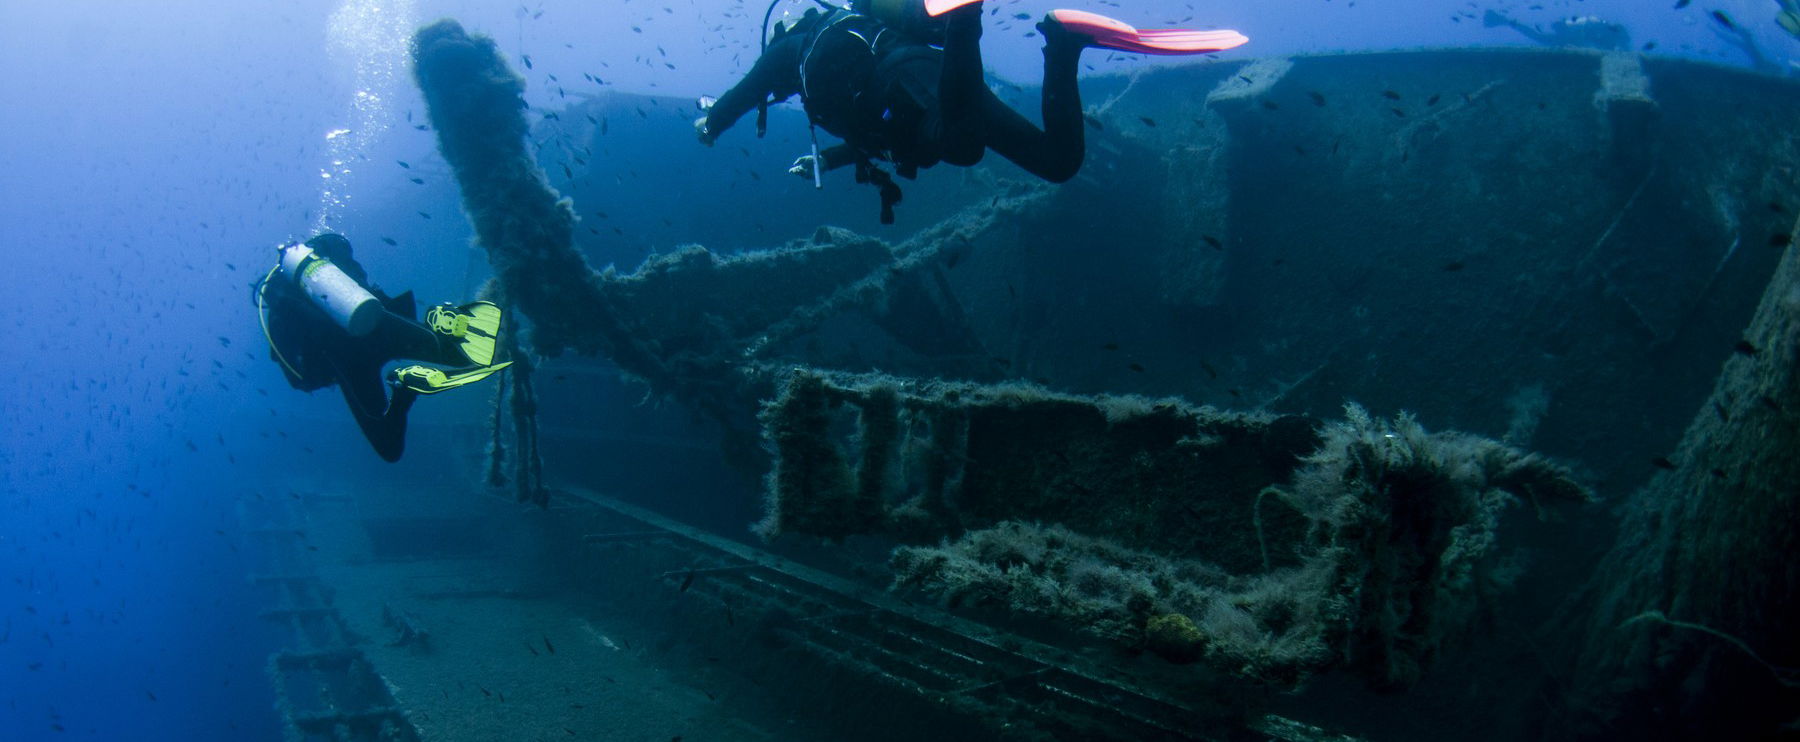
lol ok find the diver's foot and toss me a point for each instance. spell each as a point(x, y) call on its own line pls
point(428, 380)
point(936, 8)
point(962, 21)
point(474, 327)
point(1068, 26)
point(1060, 38)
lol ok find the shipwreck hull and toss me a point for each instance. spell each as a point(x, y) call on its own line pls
point(1546, 249)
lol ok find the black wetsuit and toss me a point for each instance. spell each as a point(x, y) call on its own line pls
point(895, 98)
point(321, 353)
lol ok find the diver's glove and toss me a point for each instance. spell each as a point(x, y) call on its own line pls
point(706, 136)
point(803, 166)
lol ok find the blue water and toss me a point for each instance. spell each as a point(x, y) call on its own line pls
point(152, 154)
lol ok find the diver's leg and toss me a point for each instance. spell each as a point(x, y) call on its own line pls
point(386, 432)
point(382, 419)
point(1054, 153)
point(961, 86)
point(397, 337)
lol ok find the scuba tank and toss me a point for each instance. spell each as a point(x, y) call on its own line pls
point(350, 305)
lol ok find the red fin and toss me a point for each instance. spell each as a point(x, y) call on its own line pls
point(1112, 33)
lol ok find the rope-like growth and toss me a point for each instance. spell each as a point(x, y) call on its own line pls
point(528, 466)
point(1787, 676)
point(527, 474)
point(476, 106)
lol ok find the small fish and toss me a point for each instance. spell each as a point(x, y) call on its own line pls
point(151, 695)
point(1397, 112)
point(1211, 373)
point(417, 181)
point(1663, 462)
point(1137, 367)
point(1724, 20)
point(1390, 95)
point(531, 649)
point(687, 582)
point(1433, 100)
point(224, 342)
point(1271, 105)
point(1110, 346)
point(570, 731)
point(1679, 4)
point(229, 266)
point(526, 58)
point(390, 242)
point(1093, 121)
point(1212, 242)
point(1780, 239)
point(403, 164)
point(1318, 98)
point(425, 215)
point(1743, 347)
point(549, 646)
point(1150, 122)
point(1719, 473)
point(1453, 266)
point(484, 691)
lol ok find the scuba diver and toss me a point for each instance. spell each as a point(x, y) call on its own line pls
point(901, 81)
point(326, 324)
point(1586, 32)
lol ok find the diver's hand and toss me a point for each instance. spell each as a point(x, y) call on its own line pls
point(706, 136)
point(803, 166)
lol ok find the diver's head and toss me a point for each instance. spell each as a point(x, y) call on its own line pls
point(333, 246)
